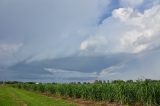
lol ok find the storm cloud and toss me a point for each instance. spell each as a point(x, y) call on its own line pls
point(79, 40)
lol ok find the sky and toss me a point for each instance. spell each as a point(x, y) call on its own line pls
point(79, 40)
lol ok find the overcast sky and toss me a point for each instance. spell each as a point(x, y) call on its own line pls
point(79, 40)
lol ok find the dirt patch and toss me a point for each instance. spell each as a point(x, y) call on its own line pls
point(82, 102)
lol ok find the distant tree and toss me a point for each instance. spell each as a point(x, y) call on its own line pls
point(98, 81)
point(30, 82)
point(1, 82)
point(11, 82)
point(129, 81)
point(118, 81)
point(84, 82)
point(53, 82)
point(88, 83)
point(72, 82)
point(78, 82)
point(148, 81)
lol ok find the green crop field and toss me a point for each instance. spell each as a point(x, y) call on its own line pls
point(146, 93)
point(17, 97)
point(121, 93)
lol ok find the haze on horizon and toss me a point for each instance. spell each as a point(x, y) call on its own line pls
point(79, 40)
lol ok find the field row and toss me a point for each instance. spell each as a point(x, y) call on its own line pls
point(140, 93)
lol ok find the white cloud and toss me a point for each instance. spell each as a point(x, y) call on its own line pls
point(92, 42)
point(125, 14)
point(145, 34)
point(110, 71)
point(130, 31)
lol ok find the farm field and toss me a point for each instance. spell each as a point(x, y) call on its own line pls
point(116, 93)
point(139, 93)
point(17, 97)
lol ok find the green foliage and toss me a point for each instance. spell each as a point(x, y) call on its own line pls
point(143, 92)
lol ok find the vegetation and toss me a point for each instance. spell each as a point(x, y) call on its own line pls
point(140, 92)
point(10, 96)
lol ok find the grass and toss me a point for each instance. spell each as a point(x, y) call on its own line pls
point(17, 97)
